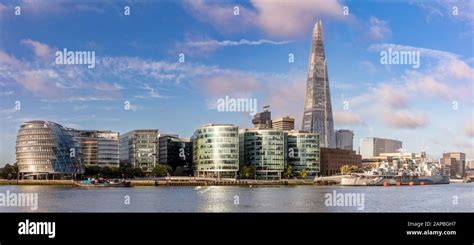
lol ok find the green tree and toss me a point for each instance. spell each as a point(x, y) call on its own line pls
point(9, 171)
point(247, 172)
point(346, 169)
point(288, 172)
point(304, 174)
point(161, 170)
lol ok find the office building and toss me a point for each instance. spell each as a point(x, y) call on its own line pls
point(263, 120)
point(345, 139)
point(284, 123)
point(372, 147)
point(98, 147)
point(303, 152)
point(216, 151)
point(176, 152)
point(333, 159)
point(317, 116)
point(456, 162)
point(139, 148)
point(45, 149)
point(264, 150)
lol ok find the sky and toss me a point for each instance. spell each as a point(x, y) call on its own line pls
point(256, 49)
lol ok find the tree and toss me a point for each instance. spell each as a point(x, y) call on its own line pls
point(288, 172)
point(9, 171)
point(304, 173)
point(346, 169)
point(247, 172)
point(161, 170)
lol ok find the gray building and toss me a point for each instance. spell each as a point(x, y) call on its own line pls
point(263, 119)
point(456, 162)
point(345, 139)
point(139, 148)
point(98, 147)
point(317, 116)
point(372, 147)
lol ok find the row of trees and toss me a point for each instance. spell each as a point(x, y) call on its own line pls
point(160, 170)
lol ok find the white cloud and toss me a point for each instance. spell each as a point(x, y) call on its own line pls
point(41, 50)
point(207, 46)
point(378, 29)
point(276, 18)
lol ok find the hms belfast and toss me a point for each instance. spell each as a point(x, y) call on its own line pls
point(317, 116)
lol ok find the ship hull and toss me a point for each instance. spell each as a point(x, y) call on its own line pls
point(395, 180)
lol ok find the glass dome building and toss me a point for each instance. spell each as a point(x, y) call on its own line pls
point(46, 148)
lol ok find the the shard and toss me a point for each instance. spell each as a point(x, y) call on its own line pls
point(317, 117)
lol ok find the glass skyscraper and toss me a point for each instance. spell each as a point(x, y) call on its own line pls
point(317, 116)
point(44, 148)
point(216, 151)
point(264, 150)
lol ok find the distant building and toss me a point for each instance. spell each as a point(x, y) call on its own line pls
point(264, 150)
point(372, 147)
point(333, 159)
point(216, 151)
point(45, 149)
point(99, 147)
point(176, 152)
point(139, 148)
point(345, 139)
point(457, 163)
point(470, 165)
point(303, 152)
point(284, 123)
point(263, 120)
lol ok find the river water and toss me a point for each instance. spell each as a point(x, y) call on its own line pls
point(436, 198)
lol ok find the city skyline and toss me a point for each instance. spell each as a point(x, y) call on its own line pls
point(240, 56)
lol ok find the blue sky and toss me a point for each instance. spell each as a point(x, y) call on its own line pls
point(241, 56)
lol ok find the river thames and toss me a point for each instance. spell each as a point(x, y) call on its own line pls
point(436, 198)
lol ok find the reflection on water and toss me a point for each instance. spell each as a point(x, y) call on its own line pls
point(440, 198)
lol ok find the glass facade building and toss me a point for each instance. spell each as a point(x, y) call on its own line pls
point(139, 148)
point(264, 150)
point(176, 152)
point(303, 152)
point(99, 147)
point(44, 148)
point(317, 117)
point(216, 151)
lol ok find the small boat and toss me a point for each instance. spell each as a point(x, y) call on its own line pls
point(103, 183)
